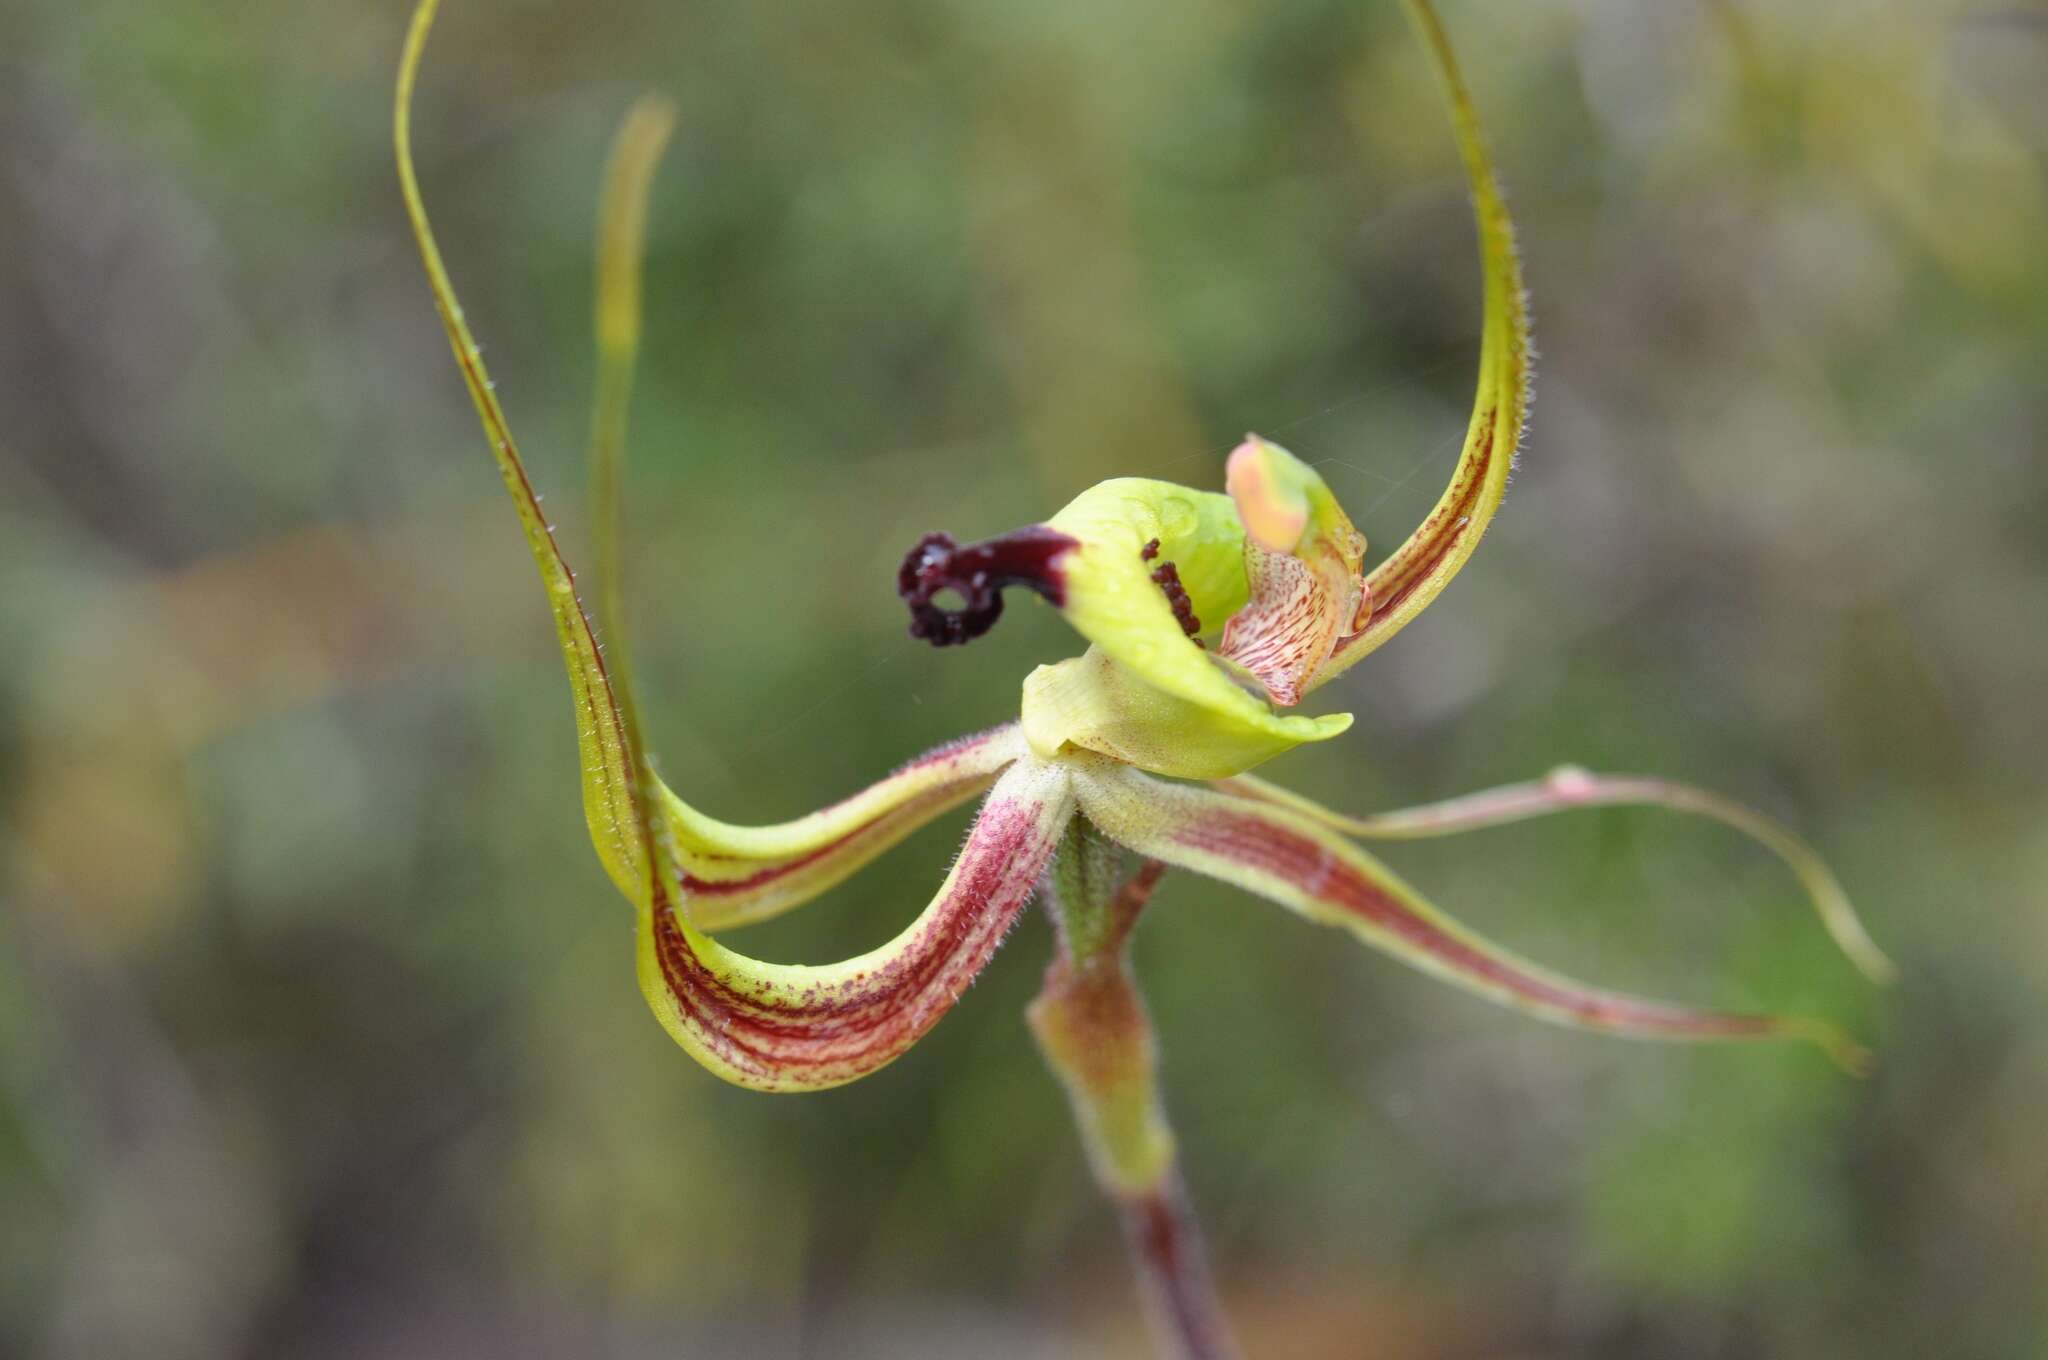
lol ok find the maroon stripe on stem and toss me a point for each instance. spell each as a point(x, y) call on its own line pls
point(1173, 1273)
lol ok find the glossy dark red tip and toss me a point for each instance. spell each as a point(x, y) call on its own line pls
point(978, 572)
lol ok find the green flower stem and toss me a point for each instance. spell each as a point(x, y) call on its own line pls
point(1091, 1025)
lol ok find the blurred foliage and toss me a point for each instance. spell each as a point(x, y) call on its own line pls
point(318, 1030)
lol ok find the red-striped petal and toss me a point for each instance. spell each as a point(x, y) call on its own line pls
point(735, 875)
point(784, 1027)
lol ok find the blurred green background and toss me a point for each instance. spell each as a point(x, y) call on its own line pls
point(318, 1028)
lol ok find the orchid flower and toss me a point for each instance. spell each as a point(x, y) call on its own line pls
point(1208, 616)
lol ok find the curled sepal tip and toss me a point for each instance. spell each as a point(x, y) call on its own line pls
point(1290, 859)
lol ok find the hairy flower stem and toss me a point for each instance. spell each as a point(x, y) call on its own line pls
point(1091, 1025)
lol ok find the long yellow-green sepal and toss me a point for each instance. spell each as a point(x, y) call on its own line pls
point(1293, 860)
point(771, 1026)
point(1569, 787)
point(621, 252)
point(735, 874)
point(730, 875)
point(601, 732)
point(780, 1027)
point(1401, 586)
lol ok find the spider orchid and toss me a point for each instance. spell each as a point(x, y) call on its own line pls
point(1206, 614)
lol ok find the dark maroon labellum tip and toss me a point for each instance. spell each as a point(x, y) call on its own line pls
point(978, 573)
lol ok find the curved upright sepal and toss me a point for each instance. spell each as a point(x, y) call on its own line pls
point(1569, 786)
point(601, 730)
point(1290, 859)
point(1145, 570)
point(621, 251)
point(771, 1026)
point(730, 874)
point(1416, 572)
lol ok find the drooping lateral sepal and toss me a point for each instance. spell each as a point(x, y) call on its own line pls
point(1292, 860)
point(1569, 787)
